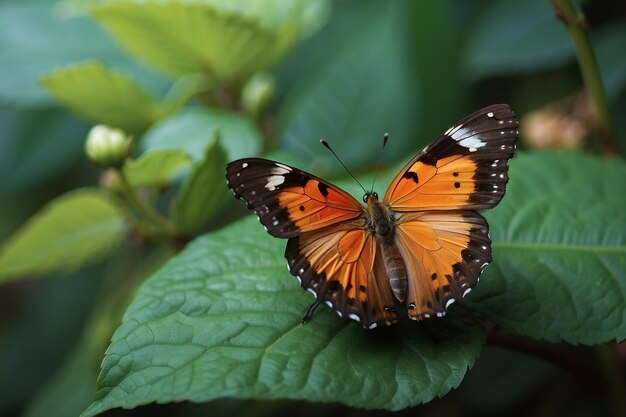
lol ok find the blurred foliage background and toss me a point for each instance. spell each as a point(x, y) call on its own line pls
point(289, 74)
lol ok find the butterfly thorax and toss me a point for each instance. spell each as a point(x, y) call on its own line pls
point(381, 222)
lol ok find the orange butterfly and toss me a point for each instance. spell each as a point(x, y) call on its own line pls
point(424, 244)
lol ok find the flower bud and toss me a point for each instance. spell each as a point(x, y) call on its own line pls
point(257, 93)
point(106, 146)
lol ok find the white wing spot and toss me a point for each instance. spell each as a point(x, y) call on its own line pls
point(427, 316)
point(500, 122)
point(440, 314)
point(274, 181)
point(490, 114)
point(301, 271)
point(450, 301)
point(354, 317)
point(312, 291)
point(329, 304)
point(280, 170)
point(373, 326)
point(244, 165)
point(283, 166)
point(472, 143)
point(467, 291)
point(275, 223)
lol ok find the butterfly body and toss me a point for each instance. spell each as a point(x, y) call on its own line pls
point(424, 244)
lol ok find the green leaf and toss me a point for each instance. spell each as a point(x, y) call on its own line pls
point(35, 38)
point(156, 168)
point(559, 249)
point(104, 96)
point(192, 130)
point(203, 193)
point(529, 38)
point(223, 320)
point(356, 95)
point(183, 38)
point(73, 230)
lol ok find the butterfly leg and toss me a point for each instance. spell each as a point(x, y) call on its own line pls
point(309, 313)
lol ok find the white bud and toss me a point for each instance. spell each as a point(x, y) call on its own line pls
point(107, 146)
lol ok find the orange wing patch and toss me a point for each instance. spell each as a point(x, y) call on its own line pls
point(343, 268)
point(444, 253)
point(448, 184)
point(315, 205)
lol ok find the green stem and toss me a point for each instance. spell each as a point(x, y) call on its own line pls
point(575, 26)
point(614, 372)
point(144, 209)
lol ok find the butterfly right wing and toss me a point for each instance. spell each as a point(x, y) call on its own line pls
point(289, 201)
point(342, 266)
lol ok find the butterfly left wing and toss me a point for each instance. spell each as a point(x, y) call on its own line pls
point(289, 201)
point(444, 253)
point(465, 168)
point(342, 267)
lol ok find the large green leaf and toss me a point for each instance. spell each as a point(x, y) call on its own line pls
point(78, 228)
point(104, 96)
point(223, 320)
point(192, 130)
point(35, 38)
point(559, 248)
point(183, 38)
point(203, 193)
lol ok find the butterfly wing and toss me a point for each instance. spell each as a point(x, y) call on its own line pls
point(465, 168)
point(289, 201)
point(342, 267)
point(444, 252)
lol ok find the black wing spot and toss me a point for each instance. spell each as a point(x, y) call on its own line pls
point(411, 306)
point(301, 208)
point(411, 175)
point(433, 276)
point(457, 184)
point(456, 174)
point(362, 288)
point(323, 188)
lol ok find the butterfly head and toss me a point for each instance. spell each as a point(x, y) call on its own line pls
point(370, 197)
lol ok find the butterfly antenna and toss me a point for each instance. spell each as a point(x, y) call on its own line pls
point(323, 142)
point(380, 154)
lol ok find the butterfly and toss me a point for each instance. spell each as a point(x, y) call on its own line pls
point(424, 245)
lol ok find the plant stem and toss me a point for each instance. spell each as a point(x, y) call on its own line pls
point(576, 28)
point(144, 209)
point(614, 372)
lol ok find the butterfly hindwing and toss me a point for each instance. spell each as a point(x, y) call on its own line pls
point(444, 253)
point(289, 201)
point(465, 168)
point(342, 267)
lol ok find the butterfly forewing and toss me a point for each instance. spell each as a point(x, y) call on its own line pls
point(465, 168)
point(289, 201)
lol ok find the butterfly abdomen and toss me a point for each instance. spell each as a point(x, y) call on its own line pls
point(395, 269)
